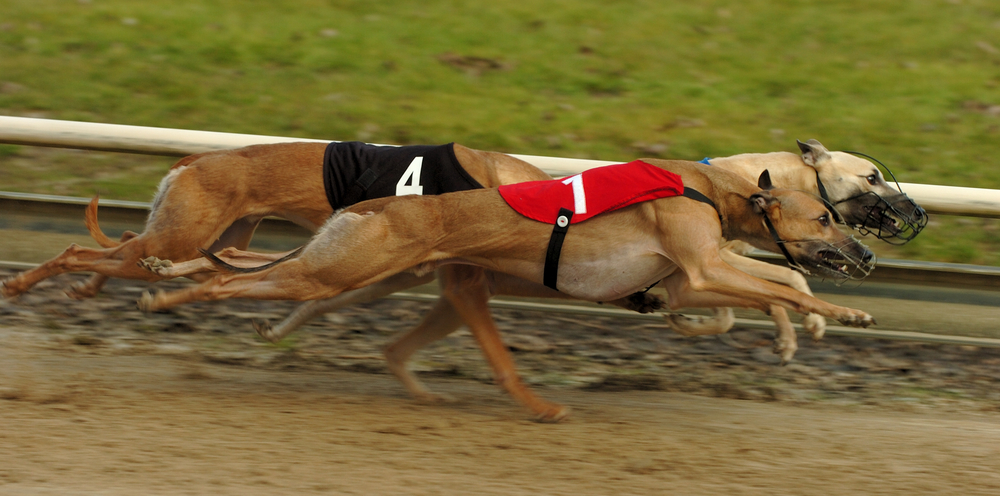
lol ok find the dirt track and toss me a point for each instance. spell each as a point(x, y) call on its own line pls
point(98, 399)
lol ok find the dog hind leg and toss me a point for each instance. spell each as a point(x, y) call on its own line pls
point(93, 285)
point(441, 321)
point(466, 288)
point(315, 308)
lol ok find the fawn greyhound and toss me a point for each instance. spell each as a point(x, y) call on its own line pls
point(609, 257)
point(854, 187)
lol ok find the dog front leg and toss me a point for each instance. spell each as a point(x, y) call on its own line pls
point(466, 288)
point(682, 296)
point(815, 324)
point(716, 276)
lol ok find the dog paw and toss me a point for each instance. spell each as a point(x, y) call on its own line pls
point(644, 303)
point(552, 413)
point(815, 324)
point(81, 291)
point(8, 288)
point(721, 322)
point(857, 318)
point(155, 265)
point(785, 348)
point(147, 302)
point(264, 330)
point(429, 398)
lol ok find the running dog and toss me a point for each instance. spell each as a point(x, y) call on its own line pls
point(855, 188)
point(609, 257)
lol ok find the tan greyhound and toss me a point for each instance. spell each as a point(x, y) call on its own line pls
point(608, 257)
point(216, 199)
point(856, 188)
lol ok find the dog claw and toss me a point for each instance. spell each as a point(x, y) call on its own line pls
point(146, 303)
point(862, 320)
point(155, 265)
point(552, 415)
point(264, 330)
point(429, 398)
point(5, 291)
point(645, 302)
point(80, 291)
point(815, 324)
point(785, 350)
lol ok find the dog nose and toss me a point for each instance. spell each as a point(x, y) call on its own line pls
point(919, 213)
point(867, 256)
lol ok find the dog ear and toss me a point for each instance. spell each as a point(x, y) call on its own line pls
point(762, 202)
point(813, 152)
point(764, 181)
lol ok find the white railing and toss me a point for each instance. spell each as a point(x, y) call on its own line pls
point(952, 200)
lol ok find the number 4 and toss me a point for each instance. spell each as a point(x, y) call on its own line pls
point(411, 175)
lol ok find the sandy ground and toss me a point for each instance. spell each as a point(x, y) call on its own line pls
point(98, 399)
point(80, 424)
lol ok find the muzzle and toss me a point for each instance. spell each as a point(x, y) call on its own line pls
point(896, 220)
point(836, 261)
point(833, 261)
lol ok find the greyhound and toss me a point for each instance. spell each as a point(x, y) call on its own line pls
point(607, 257)
point(855, 188)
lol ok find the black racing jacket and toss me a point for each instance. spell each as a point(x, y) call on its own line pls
point(354, 171)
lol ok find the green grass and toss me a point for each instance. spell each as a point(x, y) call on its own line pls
point(914, 83)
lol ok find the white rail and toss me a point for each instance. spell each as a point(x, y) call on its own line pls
point(951, 200)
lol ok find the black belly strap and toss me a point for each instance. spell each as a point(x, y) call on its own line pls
point(550, 273)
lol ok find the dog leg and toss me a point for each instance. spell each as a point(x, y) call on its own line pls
point(682, 296)
point(813, 323)
point(166, 269)
point(441, 321)
point(312, 309)
point(785, 341)
point(719, 277)
point(720, 322)
point(93, 285)
point(466, 288)
point(110, 262)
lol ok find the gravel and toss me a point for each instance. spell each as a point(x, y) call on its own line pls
point(552, 351)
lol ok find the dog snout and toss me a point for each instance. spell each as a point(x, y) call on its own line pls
point(867, 256)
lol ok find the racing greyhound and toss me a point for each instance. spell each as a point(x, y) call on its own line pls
point(608, 257)
point(854, 187)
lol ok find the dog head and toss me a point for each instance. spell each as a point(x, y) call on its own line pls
point(861, 195)
point(803, 228)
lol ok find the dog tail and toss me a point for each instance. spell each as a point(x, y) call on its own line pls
point(226, 267)
point(90, 218)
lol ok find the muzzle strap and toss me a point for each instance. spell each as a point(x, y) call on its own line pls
point(780, 242)
point(829, 203)
point(551, 272)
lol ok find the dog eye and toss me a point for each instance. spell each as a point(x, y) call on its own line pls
point(825, 220)
point(872, 179)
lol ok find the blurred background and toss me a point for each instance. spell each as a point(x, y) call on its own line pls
point(914, 83)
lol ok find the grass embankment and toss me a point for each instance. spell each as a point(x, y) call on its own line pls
point(914, 83)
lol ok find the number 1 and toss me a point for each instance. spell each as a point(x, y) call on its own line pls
point(579, 197)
